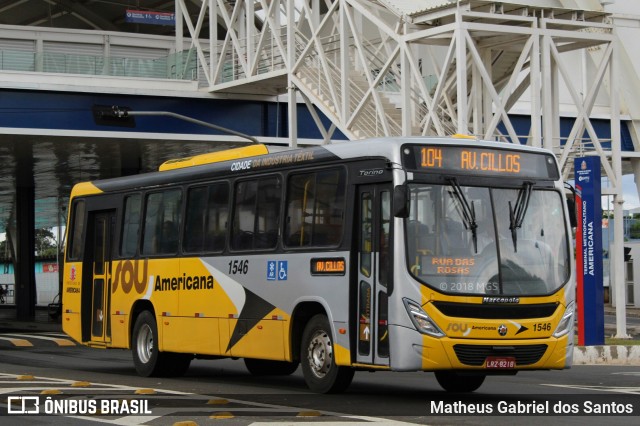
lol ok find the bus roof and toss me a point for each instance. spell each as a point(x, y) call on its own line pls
point(226, 163)
point(215, 157)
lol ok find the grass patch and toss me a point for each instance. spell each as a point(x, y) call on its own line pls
point(622, 342)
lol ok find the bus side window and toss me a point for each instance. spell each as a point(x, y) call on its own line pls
point(366, 233)
point(77, 230)
point(162, 222)
point(206, 218)
point(217, 217)
point(244, 215)
point(131, 226)
point(194, 223)
point(299, 191)
point(315, 209)
point(384, 265)
point(256, 214)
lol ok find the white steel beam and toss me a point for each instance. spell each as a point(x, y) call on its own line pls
point(461, 76)
point(618, 212)
point(213, 42)
point(291, 53)
point(535, 133)
point(344, 60)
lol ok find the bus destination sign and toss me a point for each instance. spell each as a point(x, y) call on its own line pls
point(480, 161)
point(328, 266)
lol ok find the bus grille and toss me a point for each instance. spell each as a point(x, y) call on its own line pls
point(474, 310)
point(476, 354)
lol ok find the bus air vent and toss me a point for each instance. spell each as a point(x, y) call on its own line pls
point(475, 355)
point(474, 310)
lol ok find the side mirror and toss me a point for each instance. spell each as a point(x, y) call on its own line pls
point(571, 207)
point(401, 201)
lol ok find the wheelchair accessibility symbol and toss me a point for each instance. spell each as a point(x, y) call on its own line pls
point(277, 270)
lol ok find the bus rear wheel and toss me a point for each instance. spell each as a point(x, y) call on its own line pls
point(148, 360)
point(265, 367)
point(317, 359)
point(456, 382)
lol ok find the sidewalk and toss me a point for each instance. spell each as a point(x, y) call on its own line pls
point(631, 311)
point(612, 354)
point(42, 321)
point(633, 328)
point(15, 325)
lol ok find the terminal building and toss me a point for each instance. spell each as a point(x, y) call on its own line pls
point(560, 74)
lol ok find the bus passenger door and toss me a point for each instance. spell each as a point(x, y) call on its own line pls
point(374, 273)
point(103, 224)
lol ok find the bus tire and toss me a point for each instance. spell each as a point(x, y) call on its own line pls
point(146, 357)
point(265, 367)
point(455, 382)
point(317, 358)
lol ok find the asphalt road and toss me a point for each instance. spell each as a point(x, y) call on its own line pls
point(222, 392)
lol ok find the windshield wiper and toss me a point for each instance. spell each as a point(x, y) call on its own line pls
point(516, 214)
point(468, 211)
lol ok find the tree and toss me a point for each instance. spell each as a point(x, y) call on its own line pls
point(45, 242)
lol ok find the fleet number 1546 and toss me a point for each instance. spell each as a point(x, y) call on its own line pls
point(238, 266)
point(544, 326)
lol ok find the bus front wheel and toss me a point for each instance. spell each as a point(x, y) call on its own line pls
point(148, 360)
point(317, 359)
point(455, 382)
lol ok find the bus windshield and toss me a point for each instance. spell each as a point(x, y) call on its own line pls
point(487, 241)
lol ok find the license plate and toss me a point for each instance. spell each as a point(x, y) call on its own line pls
point(500, 362)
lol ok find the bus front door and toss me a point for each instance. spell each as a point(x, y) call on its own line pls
point(374, 273)
point(103, 224)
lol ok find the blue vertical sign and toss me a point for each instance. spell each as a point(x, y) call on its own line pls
point(590, 292)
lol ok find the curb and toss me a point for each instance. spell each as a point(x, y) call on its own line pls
point(612, 355)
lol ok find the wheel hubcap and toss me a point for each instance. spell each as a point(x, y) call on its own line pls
point(320, 354)
point(145, 344)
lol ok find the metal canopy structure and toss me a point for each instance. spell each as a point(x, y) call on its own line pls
point(420, 67)
point(392, 67)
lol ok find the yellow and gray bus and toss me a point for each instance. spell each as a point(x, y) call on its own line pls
point(405, 254)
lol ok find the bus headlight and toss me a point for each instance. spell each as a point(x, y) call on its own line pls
point(421, 320)
point(566, 323)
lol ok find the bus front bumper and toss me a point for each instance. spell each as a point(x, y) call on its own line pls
point(416, 351)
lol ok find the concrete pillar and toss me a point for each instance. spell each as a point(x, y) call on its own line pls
point(25, 284)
